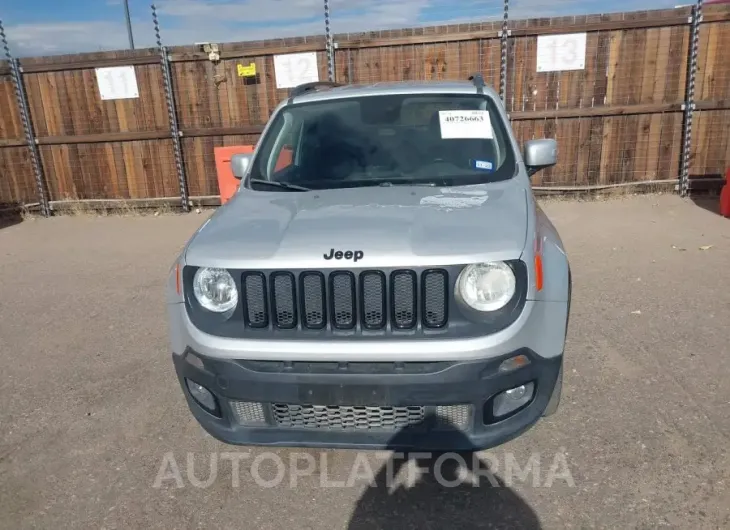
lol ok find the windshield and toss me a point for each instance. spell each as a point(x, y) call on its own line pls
point(446, 140)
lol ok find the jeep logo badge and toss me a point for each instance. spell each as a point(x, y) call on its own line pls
point(354, 255)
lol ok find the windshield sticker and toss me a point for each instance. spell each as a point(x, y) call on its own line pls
point(482, 165)
point(465, 124)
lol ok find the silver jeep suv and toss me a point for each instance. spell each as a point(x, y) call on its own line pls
point(383, 277)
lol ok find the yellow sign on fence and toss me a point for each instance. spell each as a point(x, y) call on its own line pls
point(247, 71)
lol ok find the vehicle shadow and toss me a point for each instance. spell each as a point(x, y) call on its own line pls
point(705, 190)
point(711, 203)
point(448, 490)
point(9, 215)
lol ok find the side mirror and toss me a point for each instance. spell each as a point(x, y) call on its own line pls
point(540, 154)
point(240, 164)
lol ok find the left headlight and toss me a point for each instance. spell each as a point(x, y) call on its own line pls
point(487, 286)
point(215, 289)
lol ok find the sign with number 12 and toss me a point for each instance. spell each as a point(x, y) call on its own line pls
point(295, 69)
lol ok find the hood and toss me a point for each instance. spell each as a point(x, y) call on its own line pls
point(364, 227)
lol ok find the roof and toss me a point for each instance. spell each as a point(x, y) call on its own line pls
point(392, 87)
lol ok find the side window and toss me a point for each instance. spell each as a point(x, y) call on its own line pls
point(284, 152)
point(281, 154)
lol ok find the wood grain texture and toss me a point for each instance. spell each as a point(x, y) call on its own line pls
point(618, 119)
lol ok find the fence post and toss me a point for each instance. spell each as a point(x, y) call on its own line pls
point(504, 35)
point(328, 43)
point(21, 97)
point(689, 102)
point(175, 132)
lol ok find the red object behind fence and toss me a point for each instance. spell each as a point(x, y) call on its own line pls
point(227, 183)
point(725, 196)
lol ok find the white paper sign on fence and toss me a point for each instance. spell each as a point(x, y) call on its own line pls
point(561, 52)
point(118, 82)
point(294, 69)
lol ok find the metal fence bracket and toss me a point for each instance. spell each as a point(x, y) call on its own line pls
point(175, 131)
point(689, 103)
point(504, 34)
point(16, 72)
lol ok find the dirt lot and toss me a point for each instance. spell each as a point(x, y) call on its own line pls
point(91, 407)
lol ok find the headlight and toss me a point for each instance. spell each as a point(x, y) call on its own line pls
point(215, 289)
point(487, 286)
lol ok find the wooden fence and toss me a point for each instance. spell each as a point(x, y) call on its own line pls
point(619, 119)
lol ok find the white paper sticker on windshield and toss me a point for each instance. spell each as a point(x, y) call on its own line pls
point(465, 124)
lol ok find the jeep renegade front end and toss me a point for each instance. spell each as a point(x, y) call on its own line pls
point(382, 270)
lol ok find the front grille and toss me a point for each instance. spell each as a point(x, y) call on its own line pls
point(343, 300)
point(346, 417)
point(354, 418)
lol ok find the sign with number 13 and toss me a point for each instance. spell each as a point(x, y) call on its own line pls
point(561, 52)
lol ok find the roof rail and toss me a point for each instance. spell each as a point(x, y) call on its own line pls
point(306, 87)
point(478, 82)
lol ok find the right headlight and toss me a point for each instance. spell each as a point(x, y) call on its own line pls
point(215, 289)
point(487, 286)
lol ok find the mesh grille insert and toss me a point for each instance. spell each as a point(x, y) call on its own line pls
point(454, 417)
point(313, 306)
point(248, 412)
point(285, 315)
point(342, 296)
point(403, 286)
point(346, 417)
point(434, 299)
point(257, 312)
point(372, 291)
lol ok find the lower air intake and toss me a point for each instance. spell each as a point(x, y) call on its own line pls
point(346, 417)
point(248, 412)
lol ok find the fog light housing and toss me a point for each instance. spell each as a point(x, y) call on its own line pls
point(512, 400)
point(203, 397)
point(517, 392)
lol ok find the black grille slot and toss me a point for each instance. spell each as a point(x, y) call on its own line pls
point(434, 299)
point(254, 296)
point(342, 299)
point(403, 295)
point(284, 300)
point(313, 300)
point(372, 299)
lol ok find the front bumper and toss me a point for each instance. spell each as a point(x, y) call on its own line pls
point(381, 384)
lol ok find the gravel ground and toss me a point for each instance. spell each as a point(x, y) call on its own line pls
point(94, 428)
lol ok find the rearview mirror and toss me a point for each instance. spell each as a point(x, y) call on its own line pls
point(540, 154)
point(240, 164)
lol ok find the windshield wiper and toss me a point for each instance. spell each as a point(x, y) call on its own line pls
point(276, 184)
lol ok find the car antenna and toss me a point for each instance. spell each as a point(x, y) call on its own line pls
point(478, 81)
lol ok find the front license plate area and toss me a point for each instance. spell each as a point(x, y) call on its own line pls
point(355, 395)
